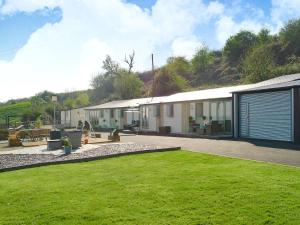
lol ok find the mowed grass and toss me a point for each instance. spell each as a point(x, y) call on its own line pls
point(156, 188)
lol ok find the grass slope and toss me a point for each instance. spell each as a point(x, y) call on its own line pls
point(15, 110)
point(156, 188)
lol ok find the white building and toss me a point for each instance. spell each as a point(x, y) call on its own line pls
point(203, 112)
point(115, 114)
point(70, 118)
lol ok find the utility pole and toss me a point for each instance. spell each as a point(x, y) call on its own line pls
point(153, 74)
point(54, 100)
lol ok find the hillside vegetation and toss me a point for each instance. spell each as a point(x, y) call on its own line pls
point(245, 58)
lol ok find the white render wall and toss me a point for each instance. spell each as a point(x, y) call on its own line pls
point(104, 121)
point(174, 122)
point(72, 117)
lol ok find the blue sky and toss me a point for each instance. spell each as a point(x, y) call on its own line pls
point(46, 41)
point(16, 29)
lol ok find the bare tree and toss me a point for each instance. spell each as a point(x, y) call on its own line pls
point(130, 61)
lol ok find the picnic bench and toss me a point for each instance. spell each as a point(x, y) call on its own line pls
point(33, 134)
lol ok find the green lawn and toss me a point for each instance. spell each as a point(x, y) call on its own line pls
point(156, 188)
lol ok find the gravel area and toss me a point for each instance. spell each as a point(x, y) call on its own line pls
point(18, 161)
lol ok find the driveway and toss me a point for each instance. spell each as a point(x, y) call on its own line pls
point(274, 152)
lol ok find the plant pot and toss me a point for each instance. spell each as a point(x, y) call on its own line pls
point(74, 137)
point(68, 149)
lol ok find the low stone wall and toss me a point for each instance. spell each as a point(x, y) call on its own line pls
point(10, 162)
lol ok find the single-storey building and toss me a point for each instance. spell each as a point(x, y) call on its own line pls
point(203, 112)
point(70, 118)
point(115, 114)
point(270, 110)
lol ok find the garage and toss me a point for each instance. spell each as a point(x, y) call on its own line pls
point(268, 112)
point(266, 116)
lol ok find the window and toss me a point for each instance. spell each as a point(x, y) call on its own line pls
point(102, 113)
point(199, 109)
point(170, 110)
point(156, 110)
point(112, 113)
point(122, 113)
point(228, 110)
point(213, 111)
point(221, 111)
point(145, 118)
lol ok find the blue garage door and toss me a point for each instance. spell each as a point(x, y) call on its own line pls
point(266, 115)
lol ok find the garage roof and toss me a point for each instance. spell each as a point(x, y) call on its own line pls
point(275, 83)
point(215, 93)
point(290, 84)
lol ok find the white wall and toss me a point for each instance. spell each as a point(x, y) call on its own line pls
point(72, 117)
point(174, 122)
point(104, 121)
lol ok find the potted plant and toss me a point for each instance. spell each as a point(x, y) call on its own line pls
point(67, 145)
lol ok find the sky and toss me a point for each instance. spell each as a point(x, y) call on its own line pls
point(59, 45)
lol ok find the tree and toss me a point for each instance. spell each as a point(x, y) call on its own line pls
point(127, 85)
point(82, 100)
point(264, 36)
point(166, 83)
point(179, 65)
point(111, 67)
point(69, 103)
point(237, 46)
point(130, 61)
point(290, 36)
point(202, 60)
point(258, 64)
point(103, 83)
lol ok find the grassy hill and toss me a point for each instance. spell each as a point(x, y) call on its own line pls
point(14, 109)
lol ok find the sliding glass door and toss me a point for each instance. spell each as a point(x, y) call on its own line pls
point(210, 117)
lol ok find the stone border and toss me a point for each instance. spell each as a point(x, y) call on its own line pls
point(87, 159)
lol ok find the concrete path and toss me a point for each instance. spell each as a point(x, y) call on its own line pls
point(274, 152)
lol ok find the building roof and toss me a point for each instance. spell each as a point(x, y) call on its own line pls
point(215, 93)
point(130, 103)
point(285, 81)
point(290, 84)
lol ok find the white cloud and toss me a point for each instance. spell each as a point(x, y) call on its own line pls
point(215, 8)
point(186, 46)
point(226, 26)
point(254, 19)
point(283, 10)
point(65, 55)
